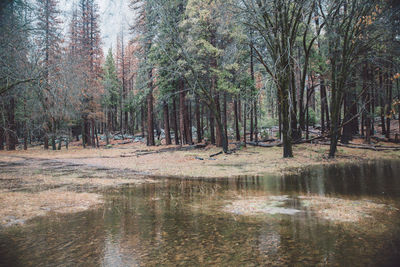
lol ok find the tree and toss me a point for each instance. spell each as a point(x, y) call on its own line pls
point(112, 89)
point(345, 25)
point(277, 24)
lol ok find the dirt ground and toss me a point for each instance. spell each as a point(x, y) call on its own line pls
point(36, 182)
point(170, 161)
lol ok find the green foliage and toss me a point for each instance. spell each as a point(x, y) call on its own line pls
point(311, 117)
point(111, 83)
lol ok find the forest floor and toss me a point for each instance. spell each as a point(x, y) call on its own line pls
point(36, 182)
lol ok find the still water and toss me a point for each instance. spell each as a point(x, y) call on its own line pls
point(183, 223)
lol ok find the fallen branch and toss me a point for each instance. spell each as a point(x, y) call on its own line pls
point(216, 154)
point(263, 145)
point(168, 149)
point(368, 147)
point(309, 140)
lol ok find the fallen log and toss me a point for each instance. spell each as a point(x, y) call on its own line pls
point(280, 143)
point(386, 140)
point(368, 147)
point(263, 145)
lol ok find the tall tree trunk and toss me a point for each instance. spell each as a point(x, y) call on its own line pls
point(255, 120)
point(46, 141)
point(107, 128)
point(53, 135)
point(350, 121)
point(398, 106)
point(166, 124)
point(280, 120)
point(240, 109)
point(327, 116)
point(295, 130)
point(142, 120)
point(93, 132)
point(202, 120)
point(225, 117)
point(182, 108)
point(11, 136)
point(218, 133)
point(253, 80)
point(367, 100)
point(25, 135)
point(132, 123)
point(382, 102)
point(2, 137)
point(188, 122)
point(150, 115)
point(198, 122)
point(244, 122)
point(175, 121)
point(285, 111)
point(212, 133)
point(322, 91)
point(251, 121)
point(237, 130)
point(389, 102)
point(220, 127)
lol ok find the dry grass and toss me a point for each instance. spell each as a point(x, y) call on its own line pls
point(247, 161)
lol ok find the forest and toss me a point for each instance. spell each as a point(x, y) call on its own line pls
point(195, 71)
point(199, 133)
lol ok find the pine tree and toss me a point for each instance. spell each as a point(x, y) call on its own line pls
point(49, 38)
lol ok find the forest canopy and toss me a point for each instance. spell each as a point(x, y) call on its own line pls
point(195, 71)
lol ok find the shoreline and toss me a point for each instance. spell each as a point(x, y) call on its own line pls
point(36, 182)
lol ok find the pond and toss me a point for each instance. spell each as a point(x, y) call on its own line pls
point(339, 215)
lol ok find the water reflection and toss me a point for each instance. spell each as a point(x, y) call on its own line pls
point(180, 222)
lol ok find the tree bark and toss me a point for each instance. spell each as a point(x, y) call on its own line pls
point(382, 102)
point(255, 121)
point(389, 102)
point(175, 121)
point(237, 130)
point(93, 132)
point(367, 101)
point(244, 123)
point(182, 107)
point(11, 133)
point(142, 120)
point(53, 135)
point(285, 111)
point(2, 137)
point(212, 133)
point(251, 121)
point(166, 124)
point(225, 117)
point(25, 135)
point(150, 121)
point(188, 122)
point(218, 132)
point(198, 122)
point(322, 105)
